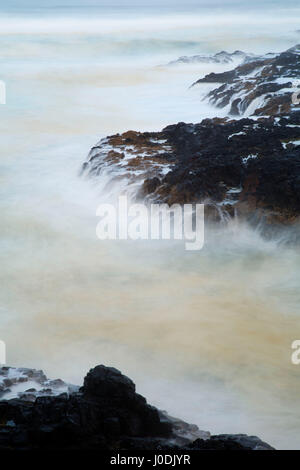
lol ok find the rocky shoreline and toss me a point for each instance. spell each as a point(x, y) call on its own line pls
point(105, 414)
point(247, 167)
point(266, 83)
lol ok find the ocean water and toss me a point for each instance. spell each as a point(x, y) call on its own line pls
point(207, 335)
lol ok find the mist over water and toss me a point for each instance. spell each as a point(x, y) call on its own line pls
point(205, 335)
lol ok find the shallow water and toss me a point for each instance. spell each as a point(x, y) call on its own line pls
point(204, 335)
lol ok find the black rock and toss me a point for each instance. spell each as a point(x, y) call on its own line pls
point(230, 442)
point(107, 382)
point(106, 410)
point(265, 79)
point(106, 414)
point(248, 167)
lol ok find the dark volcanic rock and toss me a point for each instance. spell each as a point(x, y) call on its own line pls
point(246, 166)
point(106, 414)
point(28, 384)
point(105, 411)
point(245, 162)
point(230, 442)
point(131, 157)
point(106, 381)
point(269, 82)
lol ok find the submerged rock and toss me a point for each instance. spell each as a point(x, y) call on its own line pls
point(105, 414)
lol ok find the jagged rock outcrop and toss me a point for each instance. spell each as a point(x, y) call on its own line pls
point(250, 166)
point(28, 384)
point(103, 412)
point(106, 413)
point(128, 159)
point(235, 58)
point(264, 86)
point(222, 57)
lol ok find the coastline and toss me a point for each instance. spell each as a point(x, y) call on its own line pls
point(196, 107)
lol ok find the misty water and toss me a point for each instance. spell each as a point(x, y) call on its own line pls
point(205, 335)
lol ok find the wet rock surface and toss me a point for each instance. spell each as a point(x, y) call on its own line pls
point(126, 160)
point(28, 384)
point(230, 442)
point(246, 167)
point(264, 83)
point(106, 413)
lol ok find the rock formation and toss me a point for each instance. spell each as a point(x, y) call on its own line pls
point(247, 167)
point(241, 166)
point(105, 414)
point(222, 57)
point(263, 86)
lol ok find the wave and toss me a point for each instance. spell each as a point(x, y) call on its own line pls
point(164, 23)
